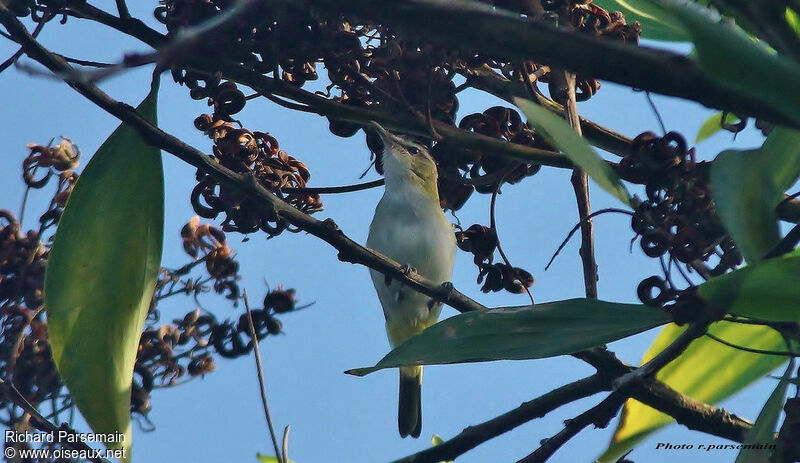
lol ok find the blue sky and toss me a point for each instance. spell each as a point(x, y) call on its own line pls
point(335, 417)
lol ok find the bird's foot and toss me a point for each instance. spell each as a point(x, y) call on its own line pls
point(447, 288)
point(407, 270)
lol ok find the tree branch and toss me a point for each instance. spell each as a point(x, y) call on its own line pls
point(580, 183)
point(473, 436)
point(265, 85)
point(349, 250)
point(486, 79)
point(509, 36)
point(599, 415)
point(687, 411)
point(602, 137)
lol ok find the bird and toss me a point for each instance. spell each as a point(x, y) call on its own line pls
point(410, 227)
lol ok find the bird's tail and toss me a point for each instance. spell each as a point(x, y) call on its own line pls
point(409, 411)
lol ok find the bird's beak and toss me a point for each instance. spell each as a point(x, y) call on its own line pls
point(386, 137)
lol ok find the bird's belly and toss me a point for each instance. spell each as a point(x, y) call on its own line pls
point(425, 244)
point(429, 250)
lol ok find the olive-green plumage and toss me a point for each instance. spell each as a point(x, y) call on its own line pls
point(410, 227)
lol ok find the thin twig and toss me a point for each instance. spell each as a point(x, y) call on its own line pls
point(750, 349)
point(670, 353)
point(656, 112)
point(289, 104)
point(23, 204)
point(285, 448)
point(493, 225)
point(336, 189)
point(13, 58)
point(87, 63)
point(261, 382)
point(786, 245)
point(599, 415)
point(578, 226)
point(580, 185)
point(428, 116)
point(122, 9)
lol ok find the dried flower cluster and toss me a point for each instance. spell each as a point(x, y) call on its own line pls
point(484, 172)
point(245, 152)
point(677, 222)
point(168, 352)
point(481, 242)
point(371, 66)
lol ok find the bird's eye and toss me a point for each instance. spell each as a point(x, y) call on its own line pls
point(413, 150)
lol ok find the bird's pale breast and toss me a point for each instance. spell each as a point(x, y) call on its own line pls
point(414, 232)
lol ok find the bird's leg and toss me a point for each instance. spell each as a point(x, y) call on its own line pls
point(447, 287)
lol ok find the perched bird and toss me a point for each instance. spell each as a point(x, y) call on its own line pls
point(410, 227)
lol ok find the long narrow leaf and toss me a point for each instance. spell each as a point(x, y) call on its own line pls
point(737, 184)
point(559, 133)
point(707, 371)
point(518, 333)
point(101, 274)
point(754, 181)
point(735, 60)
point(766, 290)
point(763, 432)
point(713, 125)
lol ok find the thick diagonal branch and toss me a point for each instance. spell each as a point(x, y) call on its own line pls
point(349, 250)
point(692, 413)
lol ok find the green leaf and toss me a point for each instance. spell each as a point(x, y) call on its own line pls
point(657, 23)
point(518, 333)
point(561, 135)
point(736, 61)
point(269, 459)
point(713, 125)
point(766, 290)
point(781, 157)
point(793, 20)
point(101, 273)
point(744, 203)
point(707, 371)
point(437, 440)
point(748, 185)
point(763, 431)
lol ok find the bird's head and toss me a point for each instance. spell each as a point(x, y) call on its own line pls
point(405, 161)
